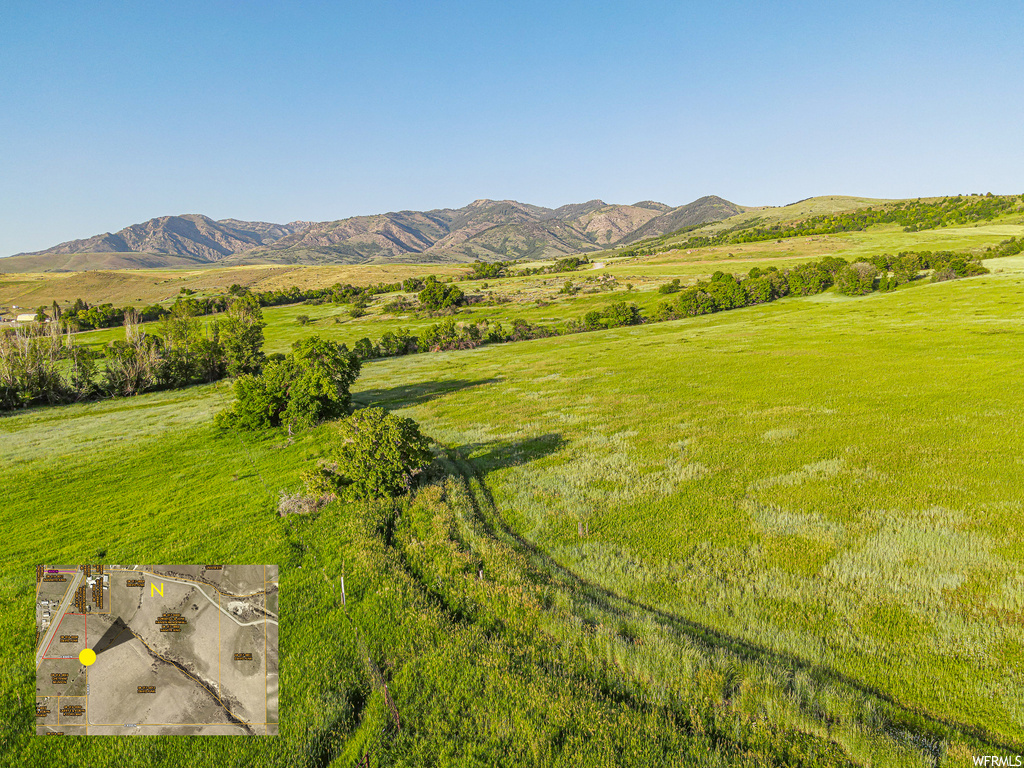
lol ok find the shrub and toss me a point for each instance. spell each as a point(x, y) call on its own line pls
point(593, 320)
point(259, 399)
point(620, 313)
point(377, 454)
point(726, 292)
point(322, 373)
point(695, 301)
point(365, 350)
point(401, 304)
point(808, 279)
point(944, 274)
point(302, 320)
point(396, 343)
point(297, 504)
point(438, 296)
point(856, 279)
point(757, 289)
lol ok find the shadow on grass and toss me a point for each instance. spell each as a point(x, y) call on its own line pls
point(499, 454)
point(413, 394)
point(926, 730)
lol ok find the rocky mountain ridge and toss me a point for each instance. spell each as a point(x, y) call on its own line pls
point(485, 229)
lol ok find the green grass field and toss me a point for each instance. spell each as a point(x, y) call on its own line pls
point(783, 535)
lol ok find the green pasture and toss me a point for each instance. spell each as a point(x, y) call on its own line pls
point(783, 535)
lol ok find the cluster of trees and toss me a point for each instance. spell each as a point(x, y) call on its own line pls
point(1010, 247)
point(883, 273)
point(857, 279)
point(337, 294)
point(39, 366)
point(450, 334)
point(436, 295)
point(725, 291)
point(567, 264)
point(616, 315)
point(82, 317)
point(489, 270)
point(308, 385)
point(392, 344)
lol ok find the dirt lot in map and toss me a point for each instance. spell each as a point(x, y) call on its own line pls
point(69, 638)
point(115, 698)
point(45, 685)
point(245, 679)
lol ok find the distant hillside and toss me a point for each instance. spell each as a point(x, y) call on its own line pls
point(484, 229)
point(190, 236)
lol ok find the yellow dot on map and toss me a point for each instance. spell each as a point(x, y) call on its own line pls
point(87, 656)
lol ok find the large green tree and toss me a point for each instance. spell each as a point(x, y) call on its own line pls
point(439, 296)
point(241, 335)
point(311, 384)
point(377, 454)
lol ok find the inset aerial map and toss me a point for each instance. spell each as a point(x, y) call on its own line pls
point(156, 649)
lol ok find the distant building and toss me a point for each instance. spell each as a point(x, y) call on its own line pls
point(27, 318)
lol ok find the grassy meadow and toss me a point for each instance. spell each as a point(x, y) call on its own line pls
point(788, 534)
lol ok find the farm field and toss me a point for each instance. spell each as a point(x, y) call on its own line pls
point(786, 534)
point(148, 286)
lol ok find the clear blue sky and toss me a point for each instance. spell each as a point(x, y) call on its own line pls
point(115, 112)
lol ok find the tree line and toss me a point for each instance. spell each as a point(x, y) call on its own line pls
point(81, 316)
point(722, 292)
point(39, 365)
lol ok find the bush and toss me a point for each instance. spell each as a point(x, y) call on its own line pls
point(758, 289)
point(856, 279)
point(726, 292)
point(401, 304)
point(321, 375)
point(808, 279)
point(944, 274)
point(396, 343)
point(438, 296)
point(302, 320)
point(365, 349)
point(620, 313)
point(377, 454)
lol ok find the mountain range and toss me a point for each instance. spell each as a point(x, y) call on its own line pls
point(487, 230)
